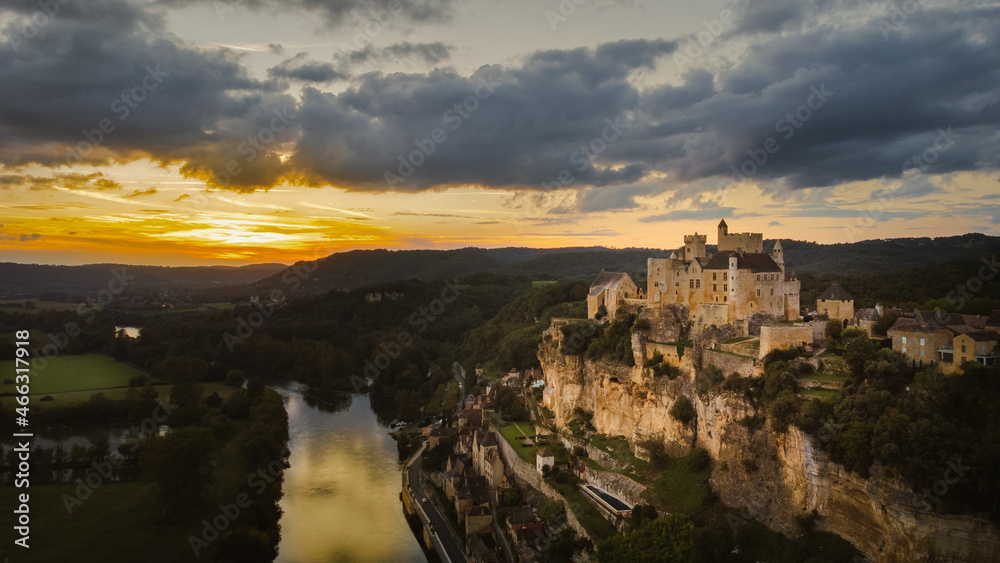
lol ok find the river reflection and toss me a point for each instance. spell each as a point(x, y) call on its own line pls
point(341, 493)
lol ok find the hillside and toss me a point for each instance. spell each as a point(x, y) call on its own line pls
point(33, 279)
point(361, 268)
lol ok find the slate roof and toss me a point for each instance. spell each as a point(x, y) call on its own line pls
point(983, 336)
point(605, 280)
point(753, 261)
point(521, 515)
point(994, 319)
point(835, 293)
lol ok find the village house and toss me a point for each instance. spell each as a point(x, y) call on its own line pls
point(947, 339)
point(610, 290)
point(478, 552)
point(478, 520)
point(835, 303)
point(544, 457)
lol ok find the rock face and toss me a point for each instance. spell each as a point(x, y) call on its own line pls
point(776, 478)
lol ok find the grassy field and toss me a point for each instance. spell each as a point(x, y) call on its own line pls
point(17, 305)
point(512, 433)
point(618, 448)
point(825, 394)
point(584, 510)
point(119, 521)
point(827, 377)
point(116, 394)
point(73, 373)
point(679, 489)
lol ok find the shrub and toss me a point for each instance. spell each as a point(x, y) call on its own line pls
point(698, 460)
point(683, 411)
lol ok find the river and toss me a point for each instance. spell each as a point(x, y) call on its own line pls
point(341, 493)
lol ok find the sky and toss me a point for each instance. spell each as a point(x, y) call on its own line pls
point(195, 132)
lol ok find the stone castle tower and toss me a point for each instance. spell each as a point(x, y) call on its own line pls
point(739, 242)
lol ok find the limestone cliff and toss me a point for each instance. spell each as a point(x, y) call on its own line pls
point(776, 478)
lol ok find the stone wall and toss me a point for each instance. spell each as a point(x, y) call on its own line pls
point(528, 474)
point(745, 366)
point(616, 484)
point(783, 337)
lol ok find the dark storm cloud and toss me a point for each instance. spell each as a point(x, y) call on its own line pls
point(824, 103)
point(430, 53)
point(114, 67)
point(299, 69)
point(336, 12)
point(71, 181)
point(517, 126)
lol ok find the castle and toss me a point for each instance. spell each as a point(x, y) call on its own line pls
point(736, 282)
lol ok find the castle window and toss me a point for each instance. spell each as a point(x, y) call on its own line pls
point(963, 348)
point(691, 282)
point(724, 299)
point(697, 284)
point(725, 287)
point(758, 293)
point(772, 291)
point(758, 277)
point(904, 341)
point(714, 274)
point(715, 287)
point(677, 284)
point(725, 276)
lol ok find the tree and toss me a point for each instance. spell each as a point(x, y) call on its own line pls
point(178, 464)
point(665, 540)
point(682, 411)
point(235, 378)
point(643, 513)
point(833, 331)
point(553, 511)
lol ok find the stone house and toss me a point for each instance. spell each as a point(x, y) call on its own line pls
point(835, 303)
point(610, 289)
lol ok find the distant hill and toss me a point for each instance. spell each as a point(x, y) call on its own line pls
point(883, 255)
point(21, 279)
point(362, 268)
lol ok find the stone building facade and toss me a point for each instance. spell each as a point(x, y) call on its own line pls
point(740, 279)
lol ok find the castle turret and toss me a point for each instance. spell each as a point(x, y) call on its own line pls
point(723, 229)
point(778, 253)
point(694, 246)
